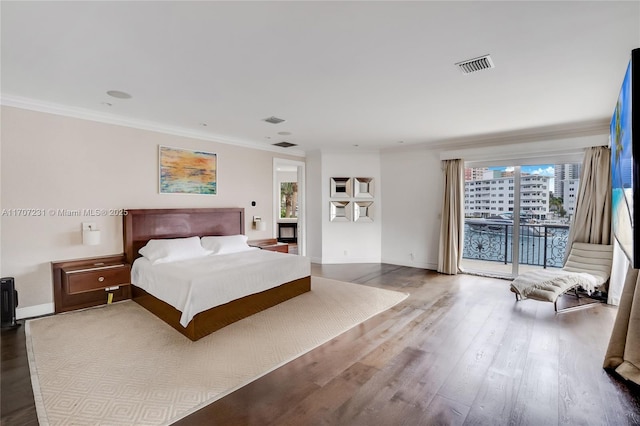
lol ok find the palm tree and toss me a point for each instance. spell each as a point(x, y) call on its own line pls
point(289, 199)
point(619, 132)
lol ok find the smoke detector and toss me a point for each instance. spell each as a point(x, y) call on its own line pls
point(476, 64)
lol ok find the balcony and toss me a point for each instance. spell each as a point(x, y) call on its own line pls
point(490, 241)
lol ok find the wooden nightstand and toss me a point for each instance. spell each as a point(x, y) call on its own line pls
point(270, 244)
point(82, 283)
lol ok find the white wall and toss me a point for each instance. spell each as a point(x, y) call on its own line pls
point(351, 242)
point(619, 270)
point(313, 190)
point(56, 162)
point(412, 186)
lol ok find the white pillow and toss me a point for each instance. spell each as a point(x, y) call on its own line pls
point(226, 244)
point(171, 250)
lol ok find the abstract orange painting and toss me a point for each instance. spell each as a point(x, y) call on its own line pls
point(183, 171)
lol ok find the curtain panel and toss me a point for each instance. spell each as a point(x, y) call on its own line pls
point(452, 223)
point(592, 218)
point(623, 353)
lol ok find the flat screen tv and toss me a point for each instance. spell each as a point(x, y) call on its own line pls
point(625, 162)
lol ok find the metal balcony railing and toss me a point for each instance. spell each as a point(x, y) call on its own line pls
point(540, 245)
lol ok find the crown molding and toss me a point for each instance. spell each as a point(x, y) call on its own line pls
point(547, 133)
point(564, 131)
point(86, 114)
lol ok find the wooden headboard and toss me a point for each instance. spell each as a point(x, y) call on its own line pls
point(142, 225)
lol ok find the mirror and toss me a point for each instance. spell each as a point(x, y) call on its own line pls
point(340, 211)
point(363, 212)
point(340, 187)
point(363, 187)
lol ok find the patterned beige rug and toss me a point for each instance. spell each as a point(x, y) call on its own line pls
point(120, 365)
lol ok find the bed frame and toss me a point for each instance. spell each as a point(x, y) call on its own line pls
point(142, 225)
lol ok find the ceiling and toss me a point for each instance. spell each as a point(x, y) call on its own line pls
point(344, 75)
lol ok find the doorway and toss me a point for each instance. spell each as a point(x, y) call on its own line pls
point(289, 203)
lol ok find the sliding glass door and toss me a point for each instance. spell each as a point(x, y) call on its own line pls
point(517, 212)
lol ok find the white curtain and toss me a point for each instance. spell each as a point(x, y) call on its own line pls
point(452, 224)
point(592, 219)
point(623, 353)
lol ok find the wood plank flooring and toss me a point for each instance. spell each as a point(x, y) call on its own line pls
point(458, 351)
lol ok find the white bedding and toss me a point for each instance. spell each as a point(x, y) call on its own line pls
point(195, 285)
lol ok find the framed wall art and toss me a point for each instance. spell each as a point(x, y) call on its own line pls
point(184, 171)
point(625, 163)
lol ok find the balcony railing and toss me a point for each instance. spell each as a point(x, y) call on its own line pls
point(540, 245)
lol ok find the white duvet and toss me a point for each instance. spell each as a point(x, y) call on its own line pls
point(195, 285)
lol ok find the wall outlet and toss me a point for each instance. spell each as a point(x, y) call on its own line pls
point(411, 256)
point(346, 253)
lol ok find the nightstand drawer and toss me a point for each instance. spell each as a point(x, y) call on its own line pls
point(270, 244)
point(81, 281)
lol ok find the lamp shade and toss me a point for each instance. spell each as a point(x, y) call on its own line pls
point(261, 226)
point(91, 237)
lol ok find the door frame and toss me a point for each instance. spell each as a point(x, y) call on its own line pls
point(301, 228)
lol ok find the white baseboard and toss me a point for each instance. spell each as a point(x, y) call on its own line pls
point(412, 264)
point(342, 260)
point(35, 311)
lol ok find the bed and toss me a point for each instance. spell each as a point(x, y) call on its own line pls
point(205, 316)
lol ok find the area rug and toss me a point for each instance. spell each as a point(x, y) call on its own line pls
point(120, 365)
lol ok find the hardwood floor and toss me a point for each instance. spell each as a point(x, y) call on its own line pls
point(458, 350)
point(16, 394)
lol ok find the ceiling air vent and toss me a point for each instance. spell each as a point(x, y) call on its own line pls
point(285, 144)
point(476, 64)
point(274, 120)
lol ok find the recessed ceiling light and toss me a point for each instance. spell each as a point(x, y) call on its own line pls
point(274, 120)
point(284, 133)
point(118, 94)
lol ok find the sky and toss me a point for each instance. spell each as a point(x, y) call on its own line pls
point(539, 169)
